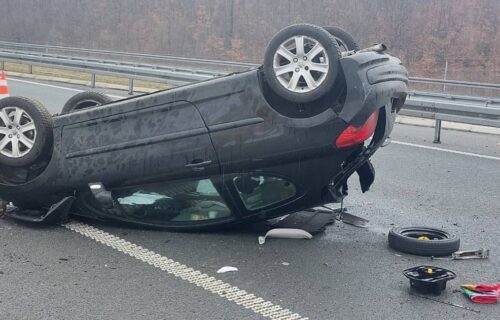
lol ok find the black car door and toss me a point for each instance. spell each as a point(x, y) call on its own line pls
point(130, 142)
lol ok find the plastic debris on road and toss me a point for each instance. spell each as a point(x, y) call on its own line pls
point(285, 233)
point(227, 269)
point(429, 279)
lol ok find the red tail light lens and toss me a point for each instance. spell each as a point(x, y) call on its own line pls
point(353, 135)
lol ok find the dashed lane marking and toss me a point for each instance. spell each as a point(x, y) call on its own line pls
point(470, 154)
point(222, 289)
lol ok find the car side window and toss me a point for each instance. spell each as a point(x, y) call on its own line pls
point(192, 201)
point(258, 192)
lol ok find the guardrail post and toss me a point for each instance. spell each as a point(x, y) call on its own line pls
point(437, 132)
point(131, 86)
point(92, 80)
point(30, 69)
point(2, 65)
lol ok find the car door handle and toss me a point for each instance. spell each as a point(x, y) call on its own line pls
point(197, 163)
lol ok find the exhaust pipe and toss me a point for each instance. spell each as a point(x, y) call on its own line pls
point(375, 48)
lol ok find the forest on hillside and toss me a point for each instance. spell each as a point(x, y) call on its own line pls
point(426, 35)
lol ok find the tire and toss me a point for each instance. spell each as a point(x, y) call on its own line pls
point(32, 115)
point(345, 41)
point(441, 243)
point(84, 100)
point(327, 59)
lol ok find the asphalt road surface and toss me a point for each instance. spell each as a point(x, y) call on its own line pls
point(51, 272)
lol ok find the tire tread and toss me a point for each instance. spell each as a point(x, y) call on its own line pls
point(70, 105)
point(444, 247)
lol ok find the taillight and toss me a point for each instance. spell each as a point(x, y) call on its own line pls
point(353, 135)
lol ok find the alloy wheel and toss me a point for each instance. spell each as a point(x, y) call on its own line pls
point(17, 132)
point(301, 64)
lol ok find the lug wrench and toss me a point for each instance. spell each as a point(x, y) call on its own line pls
point(466, 255)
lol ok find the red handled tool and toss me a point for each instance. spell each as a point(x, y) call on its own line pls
point(482, 293)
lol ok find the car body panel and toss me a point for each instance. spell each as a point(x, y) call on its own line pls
point(233, 128)
point(163, 139)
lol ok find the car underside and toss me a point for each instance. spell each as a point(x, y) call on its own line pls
point(244, 147)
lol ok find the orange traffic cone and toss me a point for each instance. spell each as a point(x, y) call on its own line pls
point(4, 87)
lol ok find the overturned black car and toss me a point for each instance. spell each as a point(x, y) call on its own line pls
point(248, 146)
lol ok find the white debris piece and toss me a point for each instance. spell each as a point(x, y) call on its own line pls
point(287, 233)
point(227, 269)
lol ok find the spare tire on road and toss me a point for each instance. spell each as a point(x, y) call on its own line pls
point(25, 132)
point(423, 241)
point(84, 100)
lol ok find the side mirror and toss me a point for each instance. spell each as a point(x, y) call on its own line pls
point(103, 196)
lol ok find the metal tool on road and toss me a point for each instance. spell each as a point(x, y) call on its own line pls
point(353, 220)
point(446, 303)
point(341, 214)
point(466, 255)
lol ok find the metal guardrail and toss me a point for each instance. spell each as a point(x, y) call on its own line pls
point(460, 108)
point(457, 83)
point(455, 108)
point(207, 64)
point(134, 70)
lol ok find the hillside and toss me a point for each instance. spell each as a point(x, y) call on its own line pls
point(424, 34)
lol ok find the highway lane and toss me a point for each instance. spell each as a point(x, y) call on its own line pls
point(53, 273)
point(52, 95)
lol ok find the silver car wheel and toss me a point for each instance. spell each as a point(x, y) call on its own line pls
point(17, 132)
point(301, 64)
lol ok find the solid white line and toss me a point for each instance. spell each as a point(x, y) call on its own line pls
point(470, 154)
point(58, 87)
point(218, 287)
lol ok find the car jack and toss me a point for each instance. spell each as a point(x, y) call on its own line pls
point(353, 220)
point(350, 218)
point(466, 255)
point(341, 214)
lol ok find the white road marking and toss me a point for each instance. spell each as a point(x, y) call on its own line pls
point(470, 154)
point(223, 289)
point(58, 87)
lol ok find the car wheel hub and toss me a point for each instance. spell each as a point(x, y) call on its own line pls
point(17, 132)
point(301, 64)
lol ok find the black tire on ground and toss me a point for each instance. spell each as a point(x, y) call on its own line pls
point(302, 92)
point(40, 136)
point(344, 39)
point(84, 100)
point(435, 242)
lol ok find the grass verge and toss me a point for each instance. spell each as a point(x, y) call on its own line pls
point(83, 76)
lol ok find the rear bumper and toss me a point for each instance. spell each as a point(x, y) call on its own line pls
point(359, 161)
point(374, 81)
